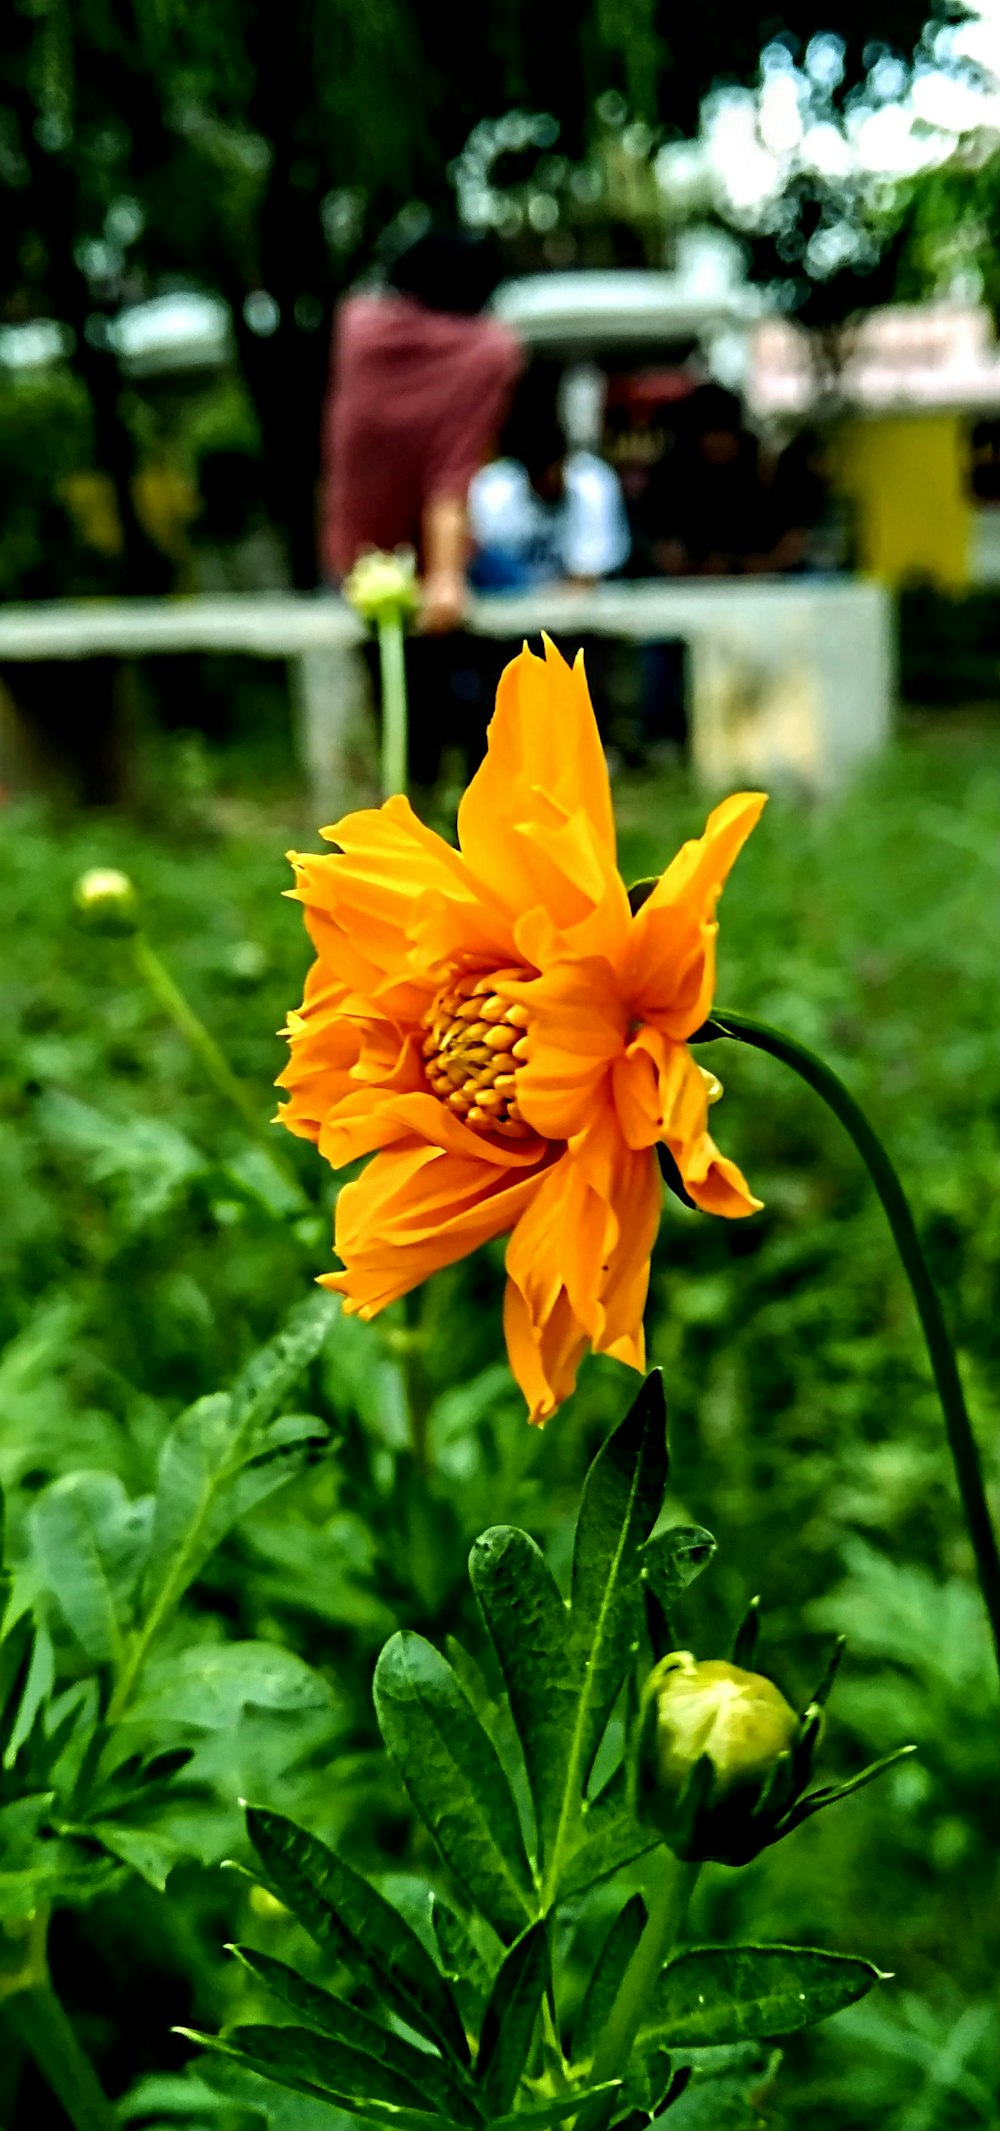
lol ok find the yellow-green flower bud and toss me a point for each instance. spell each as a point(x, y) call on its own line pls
point(739, 1720)
point(383, 587)
point(108, 901)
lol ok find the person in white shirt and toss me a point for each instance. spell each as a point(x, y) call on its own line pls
point(547, 513)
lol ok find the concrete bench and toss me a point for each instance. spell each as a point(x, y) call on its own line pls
point(791, 679)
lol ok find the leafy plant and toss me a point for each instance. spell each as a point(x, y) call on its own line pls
point(455, 2013)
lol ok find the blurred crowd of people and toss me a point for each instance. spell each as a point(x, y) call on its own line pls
point(440, 436)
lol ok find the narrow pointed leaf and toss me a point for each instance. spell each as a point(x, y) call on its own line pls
point(469, 1974)
point(814, 1801)
point(351, 1919)
point(746, 1637)
point(334, 2067)
point(289, 2056)
point(428, 2077)
point(720, 1994)
point(622, 1498)
point(529, 1627)
point(606, 1977)
point(538, 2115)
point(509, 2020)
point(454, 1777)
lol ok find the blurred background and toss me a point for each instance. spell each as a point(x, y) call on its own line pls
point(749, 256)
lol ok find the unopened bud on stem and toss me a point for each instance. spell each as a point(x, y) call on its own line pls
point(107, 900)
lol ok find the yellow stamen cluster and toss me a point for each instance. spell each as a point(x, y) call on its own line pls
point(474, 1044)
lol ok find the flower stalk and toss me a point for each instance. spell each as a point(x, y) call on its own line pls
point(667, 1912)
point(741, 1028)
point(34, 2013)
point(395, 723)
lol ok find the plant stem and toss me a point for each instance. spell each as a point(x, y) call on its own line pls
point(395, 742)
point(415, 1387)
point(207, 1051)
point(611, 2058)
point(39, 2020)
point(958, 1427)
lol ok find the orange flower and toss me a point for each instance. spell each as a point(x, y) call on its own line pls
point(496, 1023)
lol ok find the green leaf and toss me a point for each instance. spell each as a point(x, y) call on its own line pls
point(295, 2058)
point(343, 1913)
point(468, 1973)
point(529, 1627)
point(671, 1561)
point(88, 1538)
point(510, 2018)
point(211, 1685)
point(332, 2016)
point(539, 2114)
point(622, 1498)
point(454, 1777)
point(721, 2100)
point(206, 1476)
point(29, 1684)
point(605, 1978)
point(152, 1856)
point(747, 1993)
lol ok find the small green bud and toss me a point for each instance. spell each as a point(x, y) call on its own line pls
point(740, 1720)
point(721, 1761)
point(107, 900)
point(383, 587)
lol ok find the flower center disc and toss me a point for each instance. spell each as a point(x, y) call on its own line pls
point(474, 1043)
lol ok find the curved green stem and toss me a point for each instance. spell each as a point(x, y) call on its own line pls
point(611, 2058)
point(961, 1441)
point(32, 2011)
point(206, 1050)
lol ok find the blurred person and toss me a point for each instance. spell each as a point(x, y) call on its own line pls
point(808, 532)
point(419, 386)
point(705, 513)
point(544, 513)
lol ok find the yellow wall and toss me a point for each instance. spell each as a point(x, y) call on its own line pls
point(906, 479)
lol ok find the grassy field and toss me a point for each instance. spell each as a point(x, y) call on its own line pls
point(150, 1243)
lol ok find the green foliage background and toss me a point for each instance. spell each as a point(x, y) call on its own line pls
point(147, 1249)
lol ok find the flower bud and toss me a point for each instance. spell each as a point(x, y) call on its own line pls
point(738, 1719)
point(383, 587)
point(107, 900)
point(721, 1762)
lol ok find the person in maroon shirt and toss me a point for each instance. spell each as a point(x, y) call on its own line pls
point(420, 384)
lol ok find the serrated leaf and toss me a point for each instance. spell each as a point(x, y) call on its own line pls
point(211, 1685)
point(351, 1919)
point(606, 1976)
point(334, 2017)
point(88, 1539)
point(291, 2056)
point(529, 1627)
point(453, 1774)
point(510, 2019)
point(717, 1994)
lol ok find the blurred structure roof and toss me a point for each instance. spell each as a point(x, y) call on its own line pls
point(904, 359)
point(590, 313)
